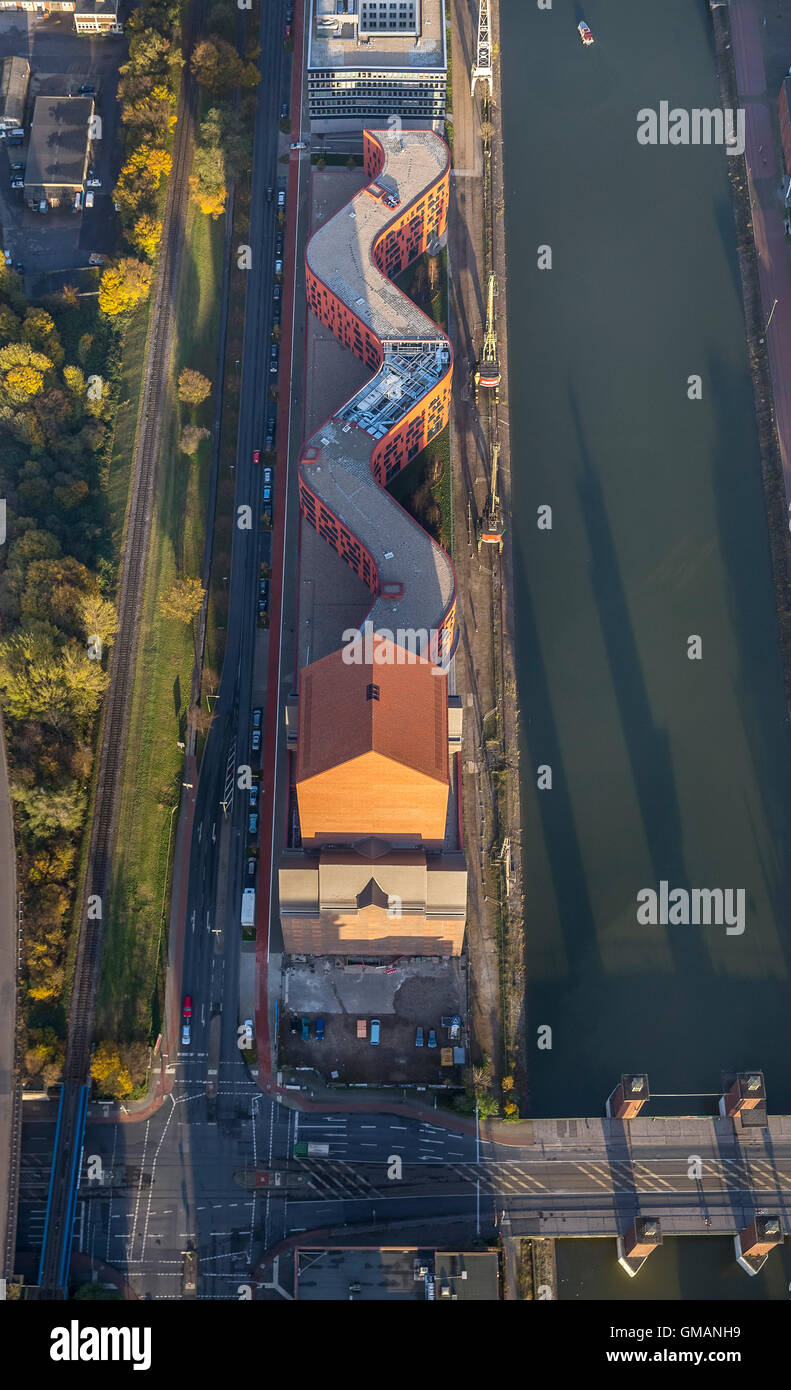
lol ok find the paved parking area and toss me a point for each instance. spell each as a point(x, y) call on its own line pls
point(60, 60)
point(416, 993)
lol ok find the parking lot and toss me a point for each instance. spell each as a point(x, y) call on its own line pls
point(415, 993)
point(60, 61)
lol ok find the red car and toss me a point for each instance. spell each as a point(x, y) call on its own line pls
point(288, 31)
point(256, 455)
point(187, 1010)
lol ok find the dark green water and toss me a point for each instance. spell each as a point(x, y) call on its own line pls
point(683, 1268)
point(664, 768)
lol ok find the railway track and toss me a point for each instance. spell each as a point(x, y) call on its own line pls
point(115, 717)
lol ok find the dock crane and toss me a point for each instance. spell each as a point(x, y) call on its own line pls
point(491, 526)
point(487, 372)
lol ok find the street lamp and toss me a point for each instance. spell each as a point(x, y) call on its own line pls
point(769, 320)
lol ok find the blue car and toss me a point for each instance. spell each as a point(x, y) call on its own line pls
point(319, 1030)
point(432, 1038)
point(305, 1029)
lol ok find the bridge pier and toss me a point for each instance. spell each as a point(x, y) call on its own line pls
point(748, 1092)
point(643, 1236)
point(756, 1240)
point(628, 1098)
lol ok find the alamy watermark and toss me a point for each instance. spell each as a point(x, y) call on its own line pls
point(380, 646)
point(696, 907)
point(699, 126)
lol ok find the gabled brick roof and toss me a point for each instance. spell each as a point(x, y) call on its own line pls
point(404, 718)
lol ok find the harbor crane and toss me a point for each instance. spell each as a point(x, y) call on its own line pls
point(491, 526)
point(487, 372)
point(482, 67)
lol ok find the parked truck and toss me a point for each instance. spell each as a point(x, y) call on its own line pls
point(311, 1150)
point(248, 907)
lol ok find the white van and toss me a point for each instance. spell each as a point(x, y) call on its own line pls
point(77, 202)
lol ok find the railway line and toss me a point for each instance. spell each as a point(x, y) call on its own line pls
point(53, 1270)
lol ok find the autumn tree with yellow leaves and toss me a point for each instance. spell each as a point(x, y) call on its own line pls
point(124, 285)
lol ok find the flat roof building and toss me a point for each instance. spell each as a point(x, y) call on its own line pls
point(371, 59)
point(57, 157)
point(90, 16)
point(14, 79)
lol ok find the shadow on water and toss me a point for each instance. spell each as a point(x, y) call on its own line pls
point(648, 747)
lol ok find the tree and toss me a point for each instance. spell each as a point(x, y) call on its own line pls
point(194, 387)
point(74, 378)
point(182, 600)
point(208, 178)
point(30, 679)
point(124, 285)
point(23, 371)
point(216, 66)
point(146, 234)
point(108, 1071)
point(47, 813)
point(99, 618)
point(191, 436)
point(39, 330)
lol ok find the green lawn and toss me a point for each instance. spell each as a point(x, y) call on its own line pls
point(129, 995)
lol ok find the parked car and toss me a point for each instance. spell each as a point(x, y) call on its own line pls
point(288, 31)
point(375, 1027)
point(17, 167)
point(298, 145)
point(278, 266)
point(279, 244)
point(256, 741)
point(86, 90)
point(17, 183)
point(274, 359)
point(319, 1030)
point(268, 502)
point(293, 1023)
point(252, 829)
point(251, 866)
point(419, 1037)
point(284, 111)
point(281, 196)
point(276, 292)
point(20, 267)
point(89, 200)
point(256, 455)
point(258, 715)
point(432, 1038)
point(9, 260)
point(268, 471)
point(185, 1034)
point(94, 183)
point(263, 589)
point(96, 258)
point(277, 313)
point(186, 1012)
point(252, 798)
point(269, 441)
point(270, 193)
point(305, 1029)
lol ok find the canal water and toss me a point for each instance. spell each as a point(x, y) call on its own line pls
point(663, 768)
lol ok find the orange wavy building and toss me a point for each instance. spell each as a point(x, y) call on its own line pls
point(378, 736)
